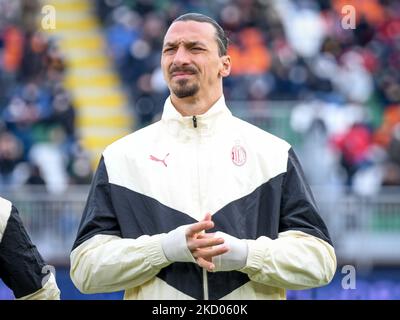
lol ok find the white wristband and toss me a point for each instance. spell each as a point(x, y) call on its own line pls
point(175, 247)
point(235, 258)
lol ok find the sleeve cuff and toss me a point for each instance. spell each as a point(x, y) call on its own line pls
point(49, 291)
point(156, 255)
point(175, 247)
point(256, 255)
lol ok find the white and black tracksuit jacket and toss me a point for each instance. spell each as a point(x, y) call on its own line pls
point(22, 268)
point(172, 173)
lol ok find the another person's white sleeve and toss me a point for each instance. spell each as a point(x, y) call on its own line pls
point(49, 291)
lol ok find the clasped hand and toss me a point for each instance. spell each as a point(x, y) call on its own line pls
point(204, 246)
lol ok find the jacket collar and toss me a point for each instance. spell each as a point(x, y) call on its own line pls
point(207, 123)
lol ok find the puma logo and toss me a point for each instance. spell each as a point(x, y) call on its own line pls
point(159, 160)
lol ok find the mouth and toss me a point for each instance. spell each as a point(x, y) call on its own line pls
point(181, 75)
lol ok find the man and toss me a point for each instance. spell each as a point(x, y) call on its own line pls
point(21, 266)
point(200, 205)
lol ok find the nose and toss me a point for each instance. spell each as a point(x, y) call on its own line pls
point(181, 57)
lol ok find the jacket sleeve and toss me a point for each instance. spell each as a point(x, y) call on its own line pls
point(302, 256)
point(49, 291)
point(21, 266)
point(103, 261)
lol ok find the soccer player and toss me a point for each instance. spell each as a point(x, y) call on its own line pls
point(200, 205)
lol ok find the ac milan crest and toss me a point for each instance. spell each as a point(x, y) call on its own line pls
point(238, 155)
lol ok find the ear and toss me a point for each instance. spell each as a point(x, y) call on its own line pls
point(226, 66)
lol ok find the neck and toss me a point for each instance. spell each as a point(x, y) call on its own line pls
point(194, 106)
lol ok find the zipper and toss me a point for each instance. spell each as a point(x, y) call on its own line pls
point(205, 277)
point(205, 284)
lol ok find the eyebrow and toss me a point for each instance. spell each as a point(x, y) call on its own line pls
point(188, 44)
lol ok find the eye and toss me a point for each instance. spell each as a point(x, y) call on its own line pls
point(197, 49)
point(167, 50)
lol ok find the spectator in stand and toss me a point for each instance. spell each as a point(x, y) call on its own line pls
point(35, 177)
point(11, 152)
point(354, 146)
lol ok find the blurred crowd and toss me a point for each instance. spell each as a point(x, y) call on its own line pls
point(346, 82)
point(346, 79)
point(38, 143)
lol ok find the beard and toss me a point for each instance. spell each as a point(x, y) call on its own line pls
point(182, 89)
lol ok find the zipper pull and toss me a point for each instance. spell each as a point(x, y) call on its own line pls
point(194, 121)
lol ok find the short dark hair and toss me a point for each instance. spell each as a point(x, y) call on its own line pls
point(221, 38)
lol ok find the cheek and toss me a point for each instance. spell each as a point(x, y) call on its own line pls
point(164, 69)
point(214, 70)
point(211, 68)
point(165, 61)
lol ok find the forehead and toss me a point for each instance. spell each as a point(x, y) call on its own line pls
point(190, 31)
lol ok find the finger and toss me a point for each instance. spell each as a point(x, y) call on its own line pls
point(199, 227)
point(210, 253)
point(206, 235)
point(207, 217)
point(205, 264)
point(194, 244)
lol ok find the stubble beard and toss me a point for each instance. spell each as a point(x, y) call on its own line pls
point(183, 90)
